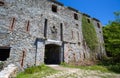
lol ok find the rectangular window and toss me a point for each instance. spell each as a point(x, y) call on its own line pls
point(1, 3)
point(98, 25)
point(75, 16)
point(54, 8)
point(45, 28)
point(88, 20)
point(4, 53)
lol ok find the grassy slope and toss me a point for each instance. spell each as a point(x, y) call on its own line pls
point(36, 72)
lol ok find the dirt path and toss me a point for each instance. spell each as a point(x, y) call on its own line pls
point(79, 73)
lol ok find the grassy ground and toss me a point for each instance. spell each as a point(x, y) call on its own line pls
point(36, 72)
point(103, 67)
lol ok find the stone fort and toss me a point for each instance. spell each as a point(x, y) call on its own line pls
point(33, 32)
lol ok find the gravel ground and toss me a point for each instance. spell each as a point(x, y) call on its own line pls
point(79, 73)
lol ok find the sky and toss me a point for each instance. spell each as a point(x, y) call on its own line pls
point(100, 9)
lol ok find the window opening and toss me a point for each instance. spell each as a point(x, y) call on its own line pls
point(88, 20)
point(12, 25)
point(61, 31)
point(54, 8)
point(1, 3)
point(28, 26)
point(78, 36)
point(72, 34)
point(4, 53)
point(45, 28)
point(98, 25)
point(75, 16)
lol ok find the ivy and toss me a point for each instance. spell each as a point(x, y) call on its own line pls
point(89, 34)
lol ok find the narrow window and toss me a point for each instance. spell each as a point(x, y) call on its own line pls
point(1, 3)
point(12, 24)
point(84, 55)
point(54, 8)
point(72, 35)
point(23, 56)
point(61, 31)
point(28, 26)
point(75, 16)
point(45, 28)
point(79, 43)
point(88, 20)
point(98, 25)
point(78, 36)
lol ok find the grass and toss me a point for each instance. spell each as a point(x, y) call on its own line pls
point(103, 67)
point(93, 67)
point(36, 72)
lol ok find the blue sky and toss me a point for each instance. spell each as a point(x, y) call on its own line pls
point(100, 9)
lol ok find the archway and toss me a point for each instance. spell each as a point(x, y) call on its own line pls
point(52, 54)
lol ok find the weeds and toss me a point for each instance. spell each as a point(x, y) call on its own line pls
point(36, 72)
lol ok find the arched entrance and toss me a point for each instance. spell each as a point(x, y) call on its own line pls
point(52, 54)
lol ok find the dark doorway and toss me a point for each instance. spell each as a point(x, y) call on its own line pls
point(52, 54)
point(4, 53)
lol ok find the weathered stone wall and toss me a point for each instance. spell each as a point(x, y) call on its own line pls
point(101, 48)
point(22, 24)
point(74, 53)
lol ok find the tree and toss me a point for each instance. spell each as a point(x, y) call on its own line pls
point(111, 34)
point(117, 16)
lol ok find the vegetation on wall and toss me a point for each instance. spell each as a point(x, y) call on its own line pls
point(89, 33)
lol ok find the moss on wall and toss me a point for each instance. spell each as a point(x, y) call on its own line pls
point(89, 33)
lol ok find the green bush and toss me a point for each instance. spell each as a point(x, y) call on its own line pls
point(115, 68)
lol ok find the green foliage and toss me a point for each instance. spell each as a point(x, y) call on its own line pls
point(1, 65)
point(89, 34)
point(110, 64)
point(115, 68)
point(117, 16)
point(36, 72)
point(111, 33)
point(112, 40)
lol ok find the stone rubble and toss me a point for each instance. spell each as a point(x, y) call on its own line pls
point(9, 72)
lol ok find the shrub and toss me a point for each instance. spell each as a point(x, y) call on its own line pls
point(115, 68)
point(1, 65)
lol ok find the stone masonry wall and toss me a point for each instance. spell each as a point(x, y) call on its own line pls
point(22, 22)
